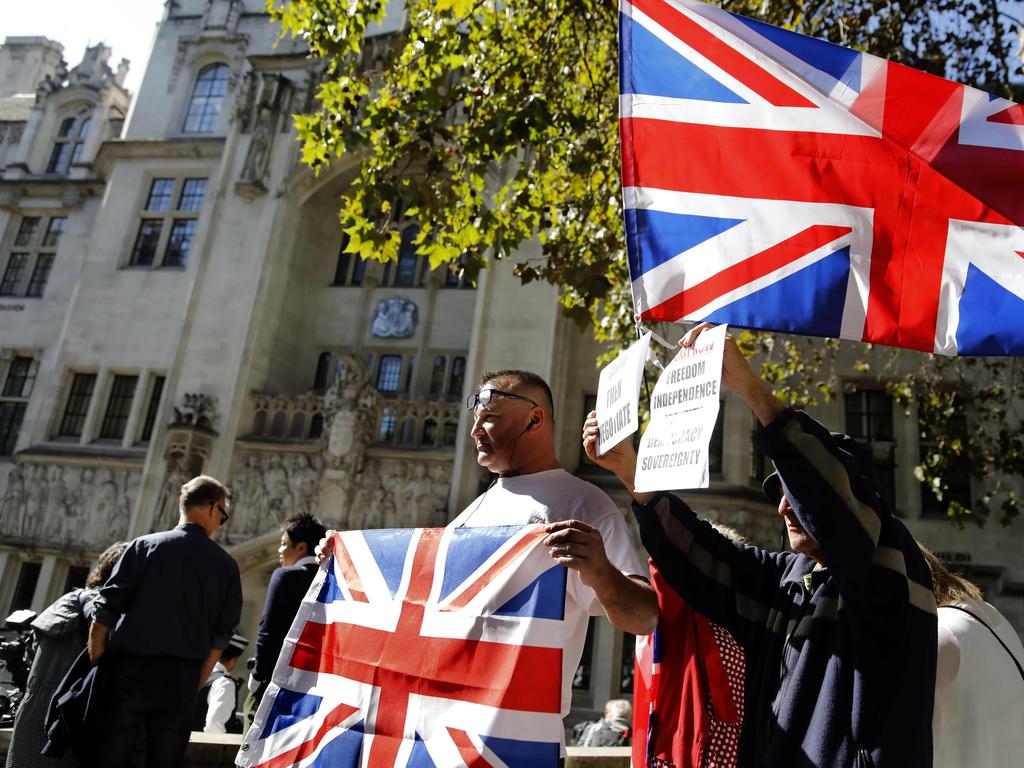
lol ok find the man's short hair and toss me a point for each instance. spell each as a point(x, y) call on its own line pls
point(201, 491)
point(304, 527)
point(524, 378)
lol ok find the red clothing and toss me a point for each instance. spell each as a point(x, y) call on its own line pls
point(697, 699)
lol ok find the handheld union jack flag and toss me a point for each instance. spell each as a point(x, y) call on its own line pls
point(775, 181)
point(425, 647)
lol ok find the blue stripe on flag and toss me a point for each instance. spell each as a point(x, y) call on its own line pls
point(810, 301)
point(467, 551)
point(991, 318)
point(544, 598)
point(389, 549)
point(419, 757)
point(523, 754)
point(840, 64)
point(289, 707)
point(652, 68)
point(330, 592)
point(660, 236)
point(342, 751)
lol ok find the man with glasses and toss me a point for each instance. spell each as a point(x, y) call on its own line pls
point(513, 432)
point(162, 620)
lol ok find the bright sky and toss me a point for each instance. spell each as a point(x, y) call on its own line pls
point(127, 26)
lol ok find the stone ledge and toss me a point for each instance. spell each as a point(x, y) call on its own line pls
point(210, 750)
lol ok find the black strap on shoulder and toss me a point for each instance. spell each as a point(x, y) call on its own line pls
point(983, 623)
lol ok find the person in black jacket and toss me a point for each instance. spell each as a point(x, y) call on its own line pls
point(288, 585)
point(840, 634)
point(162, 620)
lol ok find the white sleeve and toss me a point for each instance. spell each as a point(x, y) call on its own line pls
point(220, 705)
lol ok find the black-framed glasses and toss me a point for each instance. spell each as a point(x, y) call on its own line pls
point(484, 397)
point(222, 508)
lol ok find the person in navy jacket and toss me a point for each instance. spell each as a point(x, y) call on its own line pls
point(840, 633)
point(288, 585)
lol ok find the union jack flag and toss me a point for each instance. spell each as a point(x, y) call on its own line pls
point(421, 647)
point(775, 181)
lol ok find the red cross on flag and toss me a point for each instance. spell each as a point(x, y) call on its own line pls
point(775, 181)
point(417, 648)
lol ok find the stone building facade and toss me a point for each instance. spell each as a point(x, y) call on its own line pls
point(174, 299)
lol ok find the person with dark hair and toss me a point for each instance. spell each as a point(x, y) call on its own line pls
point(60, 635)
point(288, 585)
point(162, 621)
point(839, 634)
point(979, 681)
point(216, 707)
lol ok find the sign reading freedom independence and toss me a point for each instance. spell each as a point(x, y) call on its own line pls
point(684, 409)
point(618, 392)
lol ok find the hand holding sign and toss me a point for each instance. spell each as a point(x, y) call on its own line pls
point(684, 408)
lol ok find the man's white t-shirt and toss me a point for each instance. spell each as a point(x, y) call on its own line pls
point(551, 496)
point(979, 715)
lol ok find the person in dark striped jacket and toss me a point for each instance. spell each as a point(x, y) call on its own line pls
point(840, 634)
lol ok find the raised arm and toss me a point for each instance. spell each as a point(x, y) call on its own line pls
point(720, 578)
point(870, 554)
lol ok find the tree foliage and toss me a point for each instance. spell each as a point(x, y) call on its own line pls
point(495, 123)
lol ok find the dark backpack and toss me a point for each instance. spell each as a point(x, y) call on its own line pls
point(234, 723)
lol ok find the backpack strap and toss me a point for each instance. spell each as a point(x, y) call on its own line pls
point(983, 623)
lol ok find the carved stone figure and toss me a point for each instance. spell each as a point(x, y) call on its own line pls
point(196, 410)
point(394, 318)
point(14, 512)
point(167, 506)
point(257, 160)
point(35, 502)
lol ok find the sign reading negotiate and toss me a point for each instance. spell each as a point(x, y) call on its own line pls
point(618, 392)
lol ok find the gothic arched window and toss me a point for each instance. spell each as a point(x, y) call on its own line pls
point(323, 370)
point(458, 377)
point(67, 147)
point(405, 272)
point(207, 99)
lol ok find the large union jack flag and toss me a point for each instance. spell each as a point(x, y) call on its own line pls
point(775, 181)
point(425, 647)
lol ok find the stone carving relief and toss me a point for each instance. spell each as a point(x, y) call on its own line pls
point(394, 318)
point(268, 488)
point(68, 505)
point(340, 483)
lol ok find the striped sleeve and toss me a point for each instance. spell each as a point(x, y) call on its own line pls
point(732, 584)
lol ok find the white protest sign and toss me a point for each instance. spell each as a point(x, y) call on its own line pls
point(674, 452)
point(618, 392)
point(684, 408)
point(692, 380)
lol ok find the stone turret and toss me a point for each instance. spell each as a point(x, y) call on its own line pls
point(27, 61)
